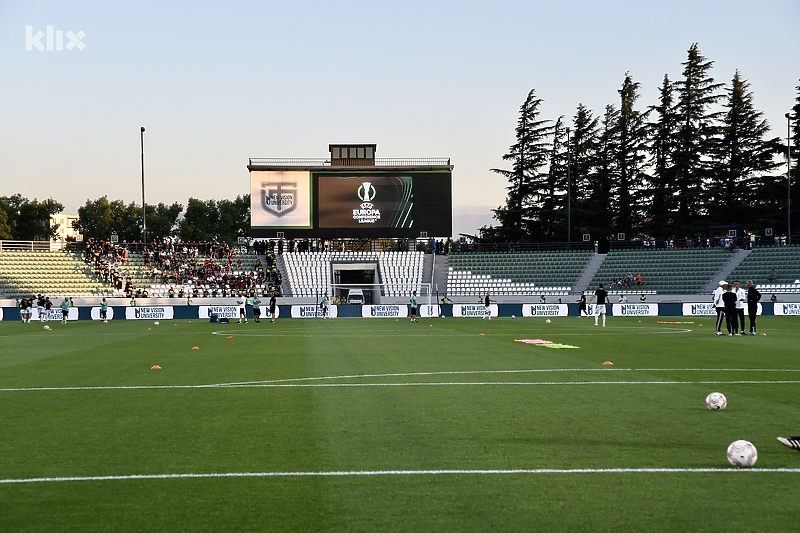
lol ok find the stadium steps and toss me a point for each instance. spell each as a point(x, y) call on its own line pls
point(726, 272)
point(286, 286)
point(440, 275)
point(588, 274)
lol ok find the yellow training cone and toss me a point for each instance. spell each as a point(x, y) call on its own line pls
point(195, 347)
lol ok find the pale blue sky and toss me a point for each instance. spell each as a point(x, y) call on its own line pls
point(215, 83)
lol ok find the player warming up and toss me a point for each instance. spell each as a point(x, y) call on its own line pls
point(413, 301)
point(600, 308)
point(487, 304)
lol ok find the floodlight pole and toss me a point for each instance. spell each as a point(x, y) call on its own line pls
point(144, 208)
point(788, 178)
point(569, 196)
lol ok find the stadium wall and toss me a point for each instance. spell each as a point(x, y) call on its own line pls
point(308, 310)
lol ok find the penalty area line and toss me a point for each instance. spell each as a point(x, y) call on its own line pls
point(356, 473)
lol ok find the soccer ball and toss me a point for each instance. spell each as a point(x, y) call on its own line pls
point(716, 401)
point(548, 321)
point(47, 327)
point(742, 454)
point(513, 316)
point(155, 323)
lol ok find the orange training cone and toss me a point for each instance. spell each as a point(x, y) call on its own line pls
point(608, 363)
point(155, 367)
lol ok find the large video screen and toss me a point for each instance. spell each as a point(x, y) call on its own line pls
point(366, 202)
point(351, 203)
point(280, 199)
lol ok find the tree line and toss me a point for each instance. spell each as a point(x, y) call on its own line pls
point(202, 220)
point(702, 155)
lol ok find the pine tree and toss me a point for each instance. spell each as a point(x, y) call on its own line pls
point(663, 135)
point(697, 93)
point(794, 171)
point(583, 150)
point(599, 192)
point(526, 181)
point(630, 158)
point(553, 211)
point(744, 160)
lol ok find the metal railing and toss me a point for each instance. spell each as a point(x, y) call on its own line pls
point(321, 162)
point(17, 246)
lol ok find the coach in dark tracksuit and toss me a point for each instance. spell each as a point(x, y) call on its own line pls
point(753, 296)
point(731, 317)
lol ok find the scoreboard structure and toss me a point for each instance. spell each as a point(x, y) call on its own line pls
point(350, 195)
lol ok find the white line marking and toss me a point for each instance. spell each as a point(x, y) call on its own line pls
point(408, 384)
point(407, 473)
point(522, 371)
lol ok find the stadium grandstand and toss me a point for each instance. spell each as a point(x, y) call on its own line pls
point(668, 271)
point(201, 270)
point(773, 269)
point(27, 272)
point(546, 273)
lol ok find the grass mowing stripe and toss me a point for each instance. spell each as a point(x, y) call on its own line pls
point(408, 473)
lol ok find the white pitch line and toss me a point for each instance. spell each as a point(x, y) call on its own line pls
point(520, 371)
point(515, 471)
point(407, 384)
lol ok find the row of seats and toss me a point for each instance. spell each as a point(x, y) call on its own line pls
point(679, 271)
point(761, 261)
point(23, 273)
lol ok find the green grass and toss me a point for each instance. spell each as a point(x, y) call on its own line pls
point(404, 400)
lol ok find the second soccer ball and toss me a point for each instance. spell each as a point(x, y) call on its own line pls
point(716, 401)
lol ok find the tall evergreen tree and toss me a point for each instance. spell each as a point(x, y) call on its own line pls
point(526, 180)
point(630, 158)
point(663, 137)
point(697, 93)
point(794, 172)
point(744, 160)
point(553, 211)
point(583, 149)
point(601, 183)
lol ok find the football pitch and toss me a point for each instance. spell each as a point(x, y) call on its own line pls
point(383, 425)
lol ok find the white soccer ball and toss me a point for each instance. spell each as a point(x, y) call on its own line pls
point(513, 316)
point(548, 321)
point(155, 323)
point(742, 454)
point(47, 327)
point(716, 401)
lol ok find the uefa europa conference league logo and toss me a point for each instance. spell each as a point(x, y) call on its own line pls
point(367, 214)
point(278, 198)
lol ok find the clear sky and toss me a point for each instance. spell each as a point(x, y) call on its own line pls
point(216, 83)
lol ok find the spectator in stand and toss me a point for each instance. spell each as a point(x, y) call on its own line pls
point(638, 280)
point(772, 275)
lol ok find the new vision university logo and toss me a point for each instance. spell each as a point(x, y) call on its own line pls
point(278, 198)
point(54, 40)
